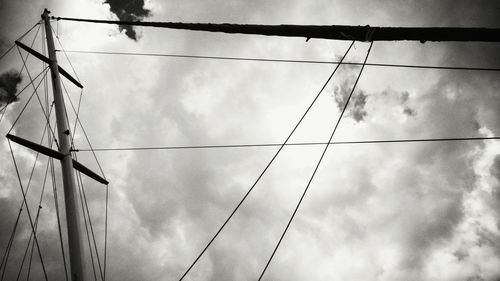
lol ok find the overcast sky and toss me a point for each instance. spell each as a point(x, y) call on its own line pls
point(413, 211)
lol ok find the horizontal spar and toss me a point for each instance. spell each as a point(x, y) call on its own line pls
point(47, 61)
point(57, 155)
point(333, 32)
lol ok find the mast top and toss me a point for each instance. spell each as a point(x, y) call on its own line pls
point(45, 13)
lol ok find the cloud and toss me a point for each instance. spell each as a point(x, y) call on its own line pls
point(356, 107)
point(129, 10)
point(386, 212)
point(8, 86)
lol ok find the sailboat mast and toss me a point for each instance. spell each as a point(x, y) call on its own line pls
point(75, 241)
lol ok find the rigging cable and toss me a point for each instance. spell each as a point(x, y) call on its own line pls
point(44, 72)
point(78, 121)
point(27, 210)
point(281, 60)
point(38, 211)
point(19, 39)
point(79, 178)
point(12, 99)
point(90, 224)
point(104, 149)
point(9, 245)
point(37, 218)
point(317, 165)
point(86, 228)
point(84, 132)
point(39, 101)
point(106, 230)
point(268, 165)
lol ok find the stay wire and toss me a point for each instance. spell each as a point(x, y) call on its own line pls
point(19, 39)
point(28, 211)
point(38, 217)
point(65, 54)
point(6, 254)
point(79, 179)
point(24, 60)
point(76, 116)
point(84, 133)
point(67, 116)
point(47, 127)
point(86, 229)
point(35, 89)
point(288, 144)
point(56, 205)
point(317, 166)
point(267, 166)
point(282, 60)
point(85, 208)
point(39, 205)
point(90, 222)
point(22, 90)
point(26, 104)
point(40, 102)
point(106, 231)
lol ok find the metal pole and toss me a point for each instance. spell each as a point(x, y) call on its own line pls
point(70, 192)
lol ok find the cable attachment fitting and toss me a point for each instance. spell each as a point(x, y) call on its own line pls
point(369, 33)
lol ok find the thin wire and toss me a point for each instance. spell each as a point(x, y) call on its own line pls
point(268, 165)
point(27, 210)
point(86, 228)
point(19, 39)
point(39, 101)
point(84, 199)
point(106, 232)
point(80, 181)
point(317, 165)
point(24, 60)
point(24, 107)
point(76, 114)
point(25, 87)
point(56, 204)
point(6, 255)
point(281, 60)
point(38, 217)
point(83, 130)
point(288, 144)
point(64, 52)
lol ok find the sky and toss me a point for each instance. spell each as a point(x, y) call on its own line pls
point(408, 211)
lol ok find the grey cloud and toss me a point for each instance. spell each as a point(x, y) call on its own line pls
point(129, 10)
point(356, 107)
point(8, 86)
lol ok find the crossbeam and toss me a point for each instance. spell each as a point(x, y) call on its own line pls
point(47, 61)
point(57, 155)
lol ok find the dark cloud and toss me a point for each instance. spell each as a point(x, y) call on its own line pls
point(129, 10)
point(356, 108)
point(8, 86)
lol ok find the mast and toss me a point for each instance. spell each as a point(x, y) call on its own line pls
point(75, 241)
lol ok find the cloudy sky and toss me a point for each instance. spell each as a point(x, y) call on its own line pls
point(413, 211)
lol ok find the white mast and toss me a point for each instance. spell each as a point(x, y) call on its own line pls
point(70, 192)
